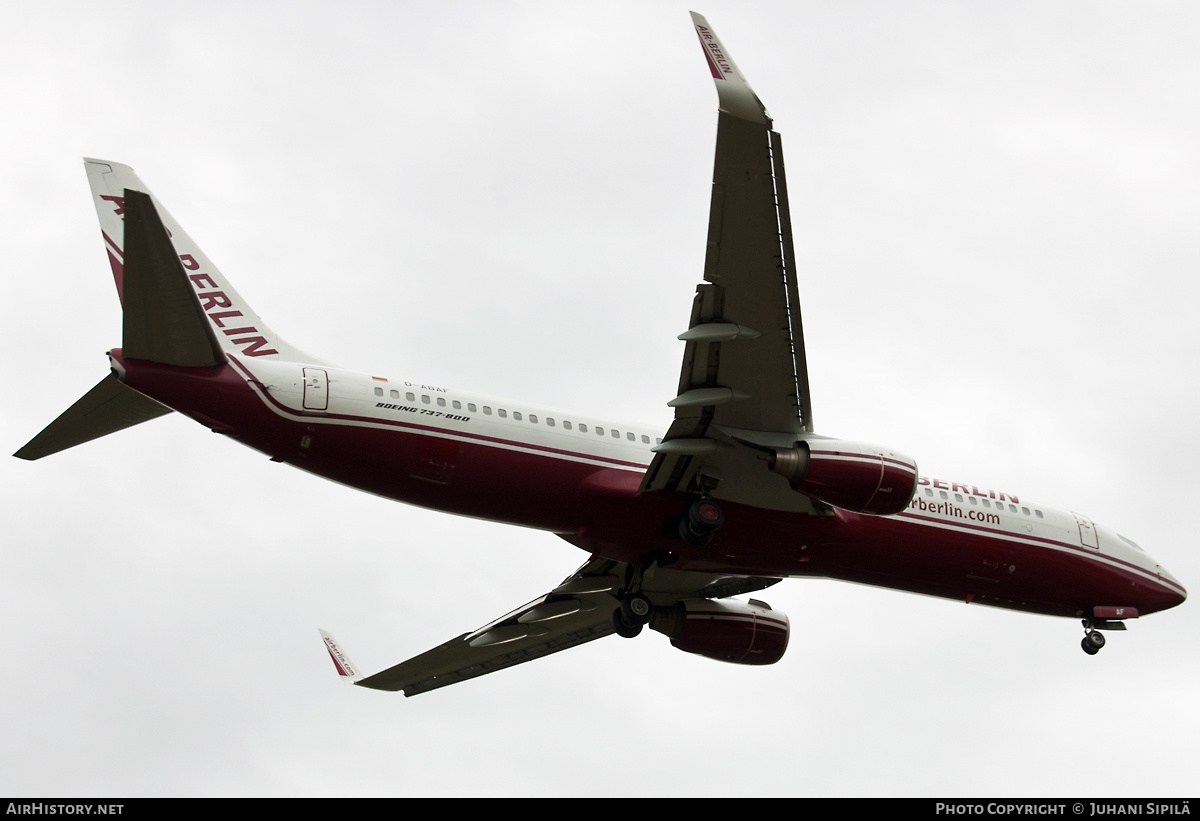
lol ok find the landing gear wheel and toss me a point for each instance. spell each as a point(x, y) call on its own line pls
point(1092, 642)
point(636, 609)
point(705, 514)
point(700, 521)
point(624, 629)
point(694, 539)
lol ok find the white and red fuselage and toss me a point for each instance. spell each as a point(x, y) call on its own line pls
point(578, 477)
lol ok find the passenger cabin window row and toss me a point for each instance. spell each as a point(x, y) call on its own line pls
point(517, 416)
point(550, 421)
point(1012, 508)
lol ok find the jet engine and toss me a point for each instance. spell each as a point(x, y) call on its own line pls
point(729, 630)
point(849, 475)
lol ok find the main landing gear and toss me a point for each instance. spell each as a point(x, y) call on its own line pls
point(698, 522)
point(634, 613)
point(696, 526)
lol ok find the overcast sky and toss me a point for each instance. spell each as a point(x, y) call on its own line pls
point(995, 206)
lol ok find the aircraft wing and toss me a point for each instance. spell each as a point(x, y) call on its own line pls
point(744, 370)
point(575, 612)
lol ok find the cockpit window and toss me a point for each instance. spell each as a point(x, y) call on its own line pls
point(1132, 544)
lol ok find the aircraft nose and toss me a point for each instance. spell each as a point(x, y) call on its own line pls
point(1173, 594)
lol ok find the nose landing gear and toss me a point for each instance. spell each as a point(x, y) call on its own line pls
point(1093, 639)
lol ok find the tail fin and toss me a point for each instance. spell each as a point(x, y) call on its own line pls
point(179, 308)
point(162, 321)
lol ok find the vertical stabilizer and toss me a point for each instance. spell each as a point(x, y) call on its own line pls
point(162, 254)
point(162, 320)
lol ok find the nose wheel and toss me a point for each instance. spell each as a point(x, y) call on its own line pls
point(1093, 639)
point(1092, 642)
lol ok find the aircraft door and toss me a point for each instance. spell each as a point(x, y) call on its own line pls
point(1087, 531)
point(316, 389)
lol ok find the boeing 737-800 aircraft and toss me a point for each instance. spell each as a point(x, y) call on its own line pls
point(739, 493)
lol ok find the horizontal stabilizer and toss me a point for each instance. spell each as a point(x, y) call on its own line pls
point(106, 408)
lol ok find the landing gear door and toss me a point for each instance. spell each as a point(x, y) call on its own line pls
point(1087, 531)
point(316, 390)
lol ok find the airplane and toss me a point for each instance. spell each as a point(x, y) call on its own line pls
point(681, 526)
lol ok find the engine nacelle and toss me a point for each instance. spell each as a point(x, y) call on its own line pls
point(849, 475)
point(728, 630)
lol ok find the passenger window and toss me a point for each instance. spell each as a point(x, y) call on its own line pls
point(471, 407)
point(441, 402)
point(532, 419)
point(566, 425)
point(630, 437)
point(645, 439)
point(379, 391)
point(487, 411)
point(599, 431)
point(582, 428)
point(424, 399)
point(549, 421)
point(410, 396)
point(616, 434)
point(457, 405)
point(502, 413)
point(517, 415)
point(395, 394)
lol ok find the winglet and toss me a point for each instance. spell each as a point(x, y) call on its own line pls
point(736, 96)
point(345, 667)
